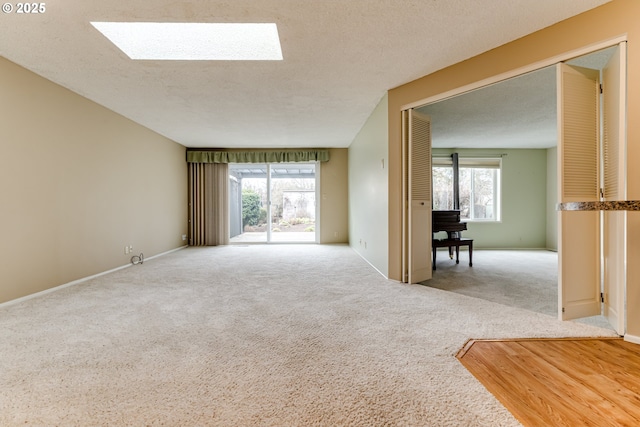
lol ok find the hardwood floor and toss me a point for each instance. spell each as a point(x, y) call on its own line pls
point(560, 382)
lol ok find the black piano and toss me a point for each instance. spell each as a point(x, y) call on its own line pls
point(449, 221)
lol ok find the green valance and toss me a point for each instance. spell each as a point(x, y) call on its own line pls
point(257, 156)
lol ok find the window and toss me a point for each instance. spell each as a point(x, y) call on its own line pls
point(479, 187)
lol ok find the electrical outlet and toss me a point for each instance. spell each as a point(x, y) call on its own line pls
point(184, 237)
point(130, 248)
point(126, 250)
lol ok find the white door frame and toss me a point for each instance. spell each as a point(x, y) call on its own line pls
point(603, 44)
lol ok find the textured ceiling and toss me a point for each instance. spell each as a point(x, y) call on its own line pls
point(515, 113)
point(340, 57)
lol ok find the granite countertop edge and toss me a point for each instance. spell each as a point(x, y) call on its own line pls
point(613, 205)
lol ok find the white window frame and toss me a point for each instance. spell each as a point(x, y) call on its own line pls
point(479, 163)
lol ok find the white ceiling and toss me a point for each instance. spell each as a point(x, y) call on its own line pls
point(340, 57)
point(516, 113)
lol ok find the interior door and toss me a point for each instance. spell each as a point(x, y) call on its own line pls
point(614, 171)
point(578, 180)
point(417, 160)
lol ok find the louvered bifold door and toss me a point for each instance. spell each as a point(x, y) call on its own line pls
point(419, 197)
point(578, 181)
point(614, 172)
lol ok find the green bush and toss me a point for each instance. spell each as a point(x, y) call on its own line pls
point(310, 228)
point(296, 221)
point(250, 207)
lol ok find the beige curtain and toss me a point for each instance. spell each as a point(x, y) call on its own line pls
point(208, 204)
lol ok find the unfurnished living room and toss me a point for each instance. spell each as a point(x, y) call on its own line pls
point(219, 213)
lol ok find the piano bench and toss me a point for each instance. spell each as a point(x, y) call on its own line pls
point(451, 243)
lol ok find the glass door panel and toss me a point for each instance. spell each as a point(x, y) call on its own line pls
point(248, 203)
point(293, 202)
point(272, 203)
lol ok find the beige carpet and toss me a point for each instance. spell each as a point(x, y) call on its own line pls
point(278, 335)
point(520, 278)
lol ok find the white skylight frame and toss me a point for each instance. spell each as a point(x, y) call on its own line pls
point(170, 41)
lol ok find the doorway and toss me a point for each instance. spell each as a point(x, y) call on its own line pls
point(273, 203)
point(459, 135)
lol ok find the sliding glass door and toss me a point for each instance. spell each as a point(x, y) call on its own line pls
point(248, 203)
point(293, 202)
point(273, 202)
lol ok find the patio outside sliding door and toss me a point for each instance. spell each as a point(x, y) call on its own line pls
point(273, 203)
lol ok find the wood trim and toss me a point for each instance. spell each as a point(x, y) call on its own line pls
point(566, 56)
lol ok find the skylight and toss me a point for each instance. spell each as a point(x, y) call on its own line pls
point(194, 41)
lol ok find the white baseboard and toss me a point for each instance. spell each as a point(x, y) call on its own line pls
point(76, 282)
point(166, 253)
point(511, 249)
point(632, 339)
point(367, 261)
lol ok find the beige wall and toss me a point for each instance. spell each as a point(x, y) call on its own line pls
point(611, 20)
point(78, 183)
point(368, 190)
point(523, 222)
point(334, 194)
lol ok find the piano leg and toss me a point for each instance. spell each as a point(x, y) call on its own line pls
point(452, 235)
point(433, 249)
point(450, 244)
